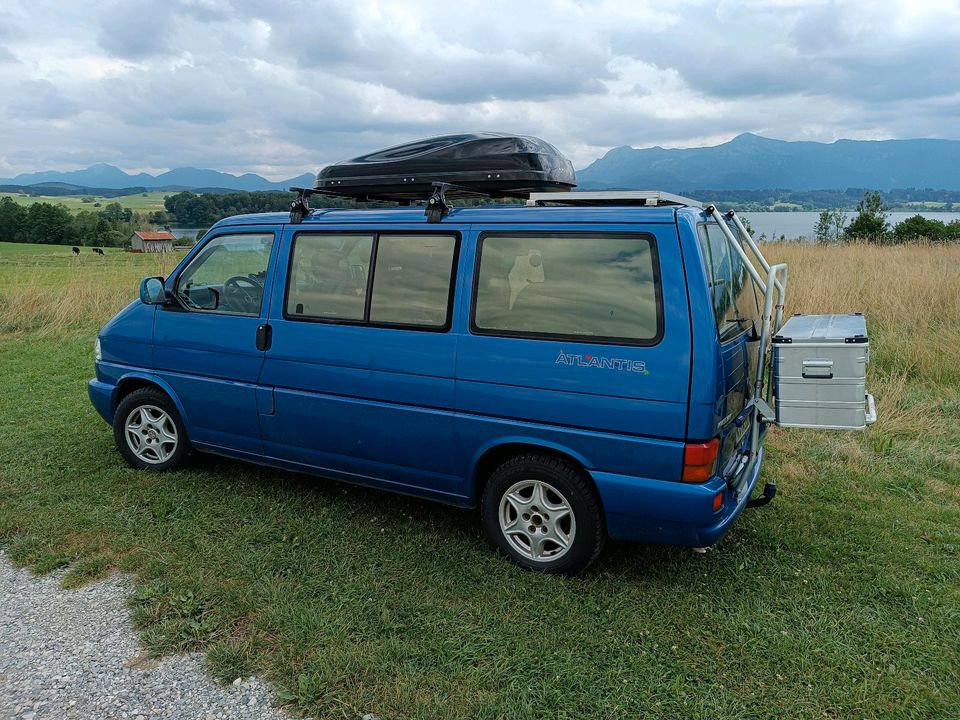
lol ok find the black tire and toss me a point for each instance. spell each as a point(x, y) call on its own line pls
point(149, 399)
point(558, 480)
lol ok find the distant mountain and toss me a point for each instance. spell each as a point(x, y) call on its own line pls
point(748, 162)
point(106, 176)
point(751, 162)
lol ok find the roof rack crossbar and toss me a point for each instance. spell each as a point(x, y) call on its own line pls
point(648, 198)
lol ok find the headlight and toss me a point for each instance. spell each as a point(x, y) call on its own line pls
point(97, 355)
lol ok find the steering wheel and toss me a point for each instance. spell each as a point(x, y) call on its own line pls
point(244, 291)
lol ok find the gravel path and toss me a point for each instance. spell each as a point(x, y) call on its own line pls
point(74, 654)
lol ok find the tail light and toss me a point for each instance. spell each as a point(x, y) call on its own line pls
point(700, 460)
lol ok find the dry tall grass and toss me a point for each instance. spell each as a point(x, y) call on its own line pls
point(911, 298)
point(910, 295)
point(53, 292)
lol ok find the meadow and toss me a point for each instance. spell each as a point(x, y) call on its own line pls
point(840, 600)
point(138, 202)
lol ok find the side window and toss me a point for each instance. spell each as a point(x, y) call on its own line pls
point(735, 302)
point(580, 286)
point(328, 276)
point(411, 277)
point(228, 275)
point(411, 282)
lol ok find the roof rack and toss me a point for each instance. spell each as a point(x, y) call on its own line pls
point(436, 202)
point(646, 198)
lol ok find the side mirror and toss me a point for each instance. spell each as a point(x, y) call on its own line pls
point(151, 291)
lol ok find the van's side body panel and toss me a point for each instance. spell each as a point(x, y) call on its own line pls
point(621, 409)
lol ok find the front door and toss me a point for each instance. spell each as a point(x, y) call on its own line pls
point(205, 339)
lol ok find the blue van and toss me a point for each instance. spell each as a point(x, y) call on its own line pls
point(575, 371)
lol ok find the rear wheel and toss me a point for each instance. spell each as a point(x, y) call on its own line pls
point(149, 432)
point(543, 514)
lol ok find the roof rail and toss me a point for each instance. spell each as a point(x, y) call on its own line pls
point(647, 198)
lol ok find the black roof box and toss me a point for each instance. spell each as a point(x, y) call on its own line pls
point(492, 164)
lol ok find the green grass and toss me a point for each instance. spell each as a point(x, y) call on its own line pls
point(138, 202)
point(841, 599)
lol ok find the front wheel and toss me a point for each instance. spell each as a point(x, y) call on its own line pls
point(149, 432)
point(543, 514)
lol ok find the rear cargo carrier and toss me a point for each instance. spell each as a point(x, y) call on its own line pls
point(820, 372)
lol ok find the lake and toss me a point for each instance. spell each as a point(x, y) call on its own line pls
point(801, 224)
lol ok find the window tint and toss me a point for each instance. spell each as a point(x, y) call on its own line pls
point(735, 302)
point(328, 276)
point(228, 275)
point(572, 285)
point(411, 282)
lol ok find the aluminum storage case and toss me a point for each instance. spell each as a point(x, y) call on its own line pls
point(819, 372)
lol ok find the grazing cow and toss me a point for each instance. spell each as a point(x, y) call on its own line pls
point(76, 250)
point(98, 251)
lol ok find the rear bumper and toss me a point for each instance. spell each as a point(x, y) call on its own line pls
point(674, 513)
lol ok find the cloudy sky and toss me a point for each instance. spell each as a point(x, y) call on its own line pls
point(279, 88)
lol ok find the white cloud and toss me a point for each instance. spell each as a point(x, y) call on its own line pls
point(283, 87)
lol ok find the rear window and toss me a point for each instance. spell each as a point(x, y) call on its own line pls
point(735, 301)
point(579, 286)
point(411, 283)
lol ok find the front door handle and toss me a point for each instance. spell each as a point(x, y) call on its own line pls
point(264, 335)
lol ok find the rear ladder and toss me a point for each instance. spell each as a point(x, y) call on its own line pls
point(773, 282)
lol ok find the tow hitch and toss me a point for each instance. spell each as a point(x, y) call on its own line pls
point(769, 493)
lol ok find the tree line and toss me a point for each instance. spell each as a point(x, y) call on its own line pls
point(871, 225)
point(113, 225)
point(50, 224)
point(192, 210)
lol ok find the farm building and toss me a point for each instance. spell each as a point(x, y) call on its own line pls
point(144, 241)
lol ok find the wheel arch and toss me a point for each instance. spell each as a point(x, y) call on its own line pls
point(135, 381)
point(494, 454)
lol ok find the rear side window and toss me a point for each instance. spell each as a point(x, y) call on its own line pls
point(734, 298)
point(378, 279)
point(579, 286)
point(411, 284)
point(328, 276)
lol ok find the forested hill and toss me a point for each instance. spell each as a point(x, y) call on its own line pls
point(751, 162)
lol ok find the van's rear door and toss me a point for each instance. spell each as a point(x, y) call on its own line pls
point(736, 310)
